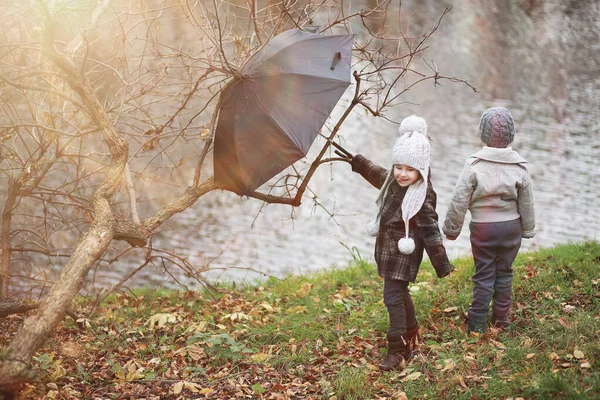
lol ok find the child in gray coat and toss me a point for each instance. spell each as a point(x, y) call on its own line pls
point(496, 188)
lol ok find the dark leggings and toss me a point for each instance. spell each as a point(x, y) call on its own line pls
point(495, 246)
point(401, 310)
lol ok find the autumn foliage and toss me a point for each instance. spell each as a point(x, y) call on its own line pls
point(320, 337)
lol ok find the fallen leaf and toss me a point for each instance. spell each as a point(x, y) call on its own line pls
point(450, 364)
point(161, 319)
point(372, 367)
point(71, 349)
point(379, 385)
point(85, 322)
point(345, 292)
point(318, 344)
point(586, 365)
point(563, 321)
point(178, 387)
point(27, 389)
point(154, 361)
point(526, 342)
point(130, 366)
point(268, 307)
point(238, 316)
point(569, 308)
point(58, 373)
point(297, 310)
point(530, 355)
point(400, 395)
point(260, 357)
point(304, 289)
point(554, 356)
point(197, 327)
point(412, 377)
point(578, 354)
point(192, 387)
point(450, 309)
point(195, 352)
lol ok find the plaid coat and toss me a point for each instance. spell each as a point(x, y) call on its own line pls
point(424, 229)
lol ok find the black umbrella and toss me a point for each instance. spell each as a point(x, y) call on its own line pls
point(270, 114)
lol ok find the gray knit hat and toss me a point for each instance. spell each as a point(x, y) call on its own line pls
point(496, 127)
point(412, 149)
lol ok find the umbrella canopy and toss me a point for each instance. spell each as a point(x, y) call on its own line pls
point(272, 112)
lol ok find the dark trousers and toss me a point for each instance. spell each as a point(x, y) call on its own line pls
point(495, 246)
point(401, 309)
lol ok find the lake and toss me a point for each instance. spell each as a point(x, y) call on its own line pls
point(541, 61)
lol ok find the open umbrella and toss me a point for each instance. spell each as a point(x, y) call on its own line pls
point(271, 113)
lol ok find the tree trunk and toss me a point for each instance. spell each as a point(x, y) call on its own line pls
point(37, 328)
point(5, 272)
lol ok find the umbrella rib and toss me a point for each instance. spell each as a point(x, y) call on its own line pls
point(283, 120)
point(265, 111)
point(286, 125)
point(253, 77)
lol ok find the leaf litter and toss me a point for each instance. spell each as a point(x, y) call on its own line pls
point(272, 344)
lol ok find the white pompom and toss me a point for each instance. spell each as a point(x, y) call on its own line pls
point(406, 245)
point(373, 228)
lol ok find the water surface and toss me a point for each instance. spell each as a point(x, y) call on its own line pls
point(541, 61)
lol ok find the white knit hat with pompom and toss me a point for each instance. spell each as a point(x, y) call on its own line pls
point(412, 149)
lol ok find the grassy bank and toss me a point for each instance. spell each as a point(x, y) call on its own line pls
point(321, 337)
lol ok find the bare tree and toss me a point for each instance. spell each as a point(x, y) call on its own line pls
point(103, 106)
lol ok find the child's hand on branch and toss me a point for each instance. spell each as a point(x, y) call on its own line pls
point(346, 157)
point(342, 152)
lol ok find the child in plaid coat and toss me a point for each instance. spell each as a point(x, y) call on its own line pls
point(406, 225)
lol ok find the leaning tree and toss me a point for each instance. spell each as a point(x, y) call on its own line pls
point(104, 104)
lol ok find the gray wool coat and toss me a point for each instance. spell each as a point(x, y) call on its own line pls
point(494, 186)
point(424, 229)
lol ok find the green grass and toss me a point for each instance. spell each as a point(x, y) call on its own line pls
point(349, 384)
point(322, 335)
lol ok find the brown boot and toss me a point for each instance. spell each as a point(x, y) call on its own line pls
point(413, 337)
point(398, 351)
